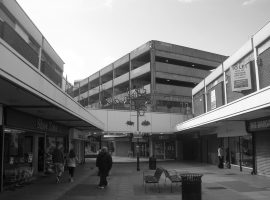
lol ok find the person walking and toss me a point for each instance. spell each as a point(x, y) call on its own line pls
point(71, 163)
point(58, 160)
point(220, 157)
point(104, 164)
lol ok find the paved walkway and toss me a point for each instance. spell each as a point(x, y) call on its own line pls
point(125, 183)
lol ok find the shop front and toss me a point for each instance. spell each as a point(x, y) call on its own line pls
point(78, 140)
point(163, 146)
point(27, 142)
point(237, 144)
point(260, 129)
point(140, 145)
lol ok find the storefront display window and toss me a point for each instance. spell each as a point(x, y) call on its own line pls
point(159, 150)
point(50, 146)
point(170, 150)
point(247, 151)
point(239, 150)
point(18, 156)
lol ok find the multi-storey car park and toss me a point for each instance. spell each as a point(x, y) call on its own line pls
point(167, 73)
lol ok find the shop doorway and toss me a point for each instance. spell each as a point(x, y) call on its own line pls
point(41, 153)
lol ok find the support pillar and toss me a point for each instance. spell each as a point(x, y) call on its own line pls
point(2, 139)
point(153, 76)
point(254, 166)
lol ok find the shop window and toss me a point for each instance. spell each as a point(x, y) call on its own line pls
point(247, 151)
point(18, 157)
point(239, 150)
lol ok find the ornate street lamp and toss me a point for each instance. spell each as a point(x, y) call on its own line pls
point(138, 100)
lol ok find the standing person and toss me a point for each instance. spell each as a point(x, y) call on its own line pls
point(71, 162)
point(58, 160)
point(104, 164)
point(220, 157)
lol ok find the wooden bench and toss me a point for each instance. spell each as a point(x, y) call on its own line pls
point(152, 178)
point(172, 176)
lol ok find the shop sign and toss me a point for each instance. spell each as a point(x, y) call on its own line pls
point(213, 99)
point(263, 124)
point(78, 135)
point(46, 125)
point(240, 77)
point(163, 137)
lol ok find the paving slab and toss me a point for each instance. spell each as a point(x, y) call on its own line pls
point(126, 183)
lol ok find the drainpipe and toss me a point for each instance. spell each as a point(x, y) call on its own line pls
point(255, 54)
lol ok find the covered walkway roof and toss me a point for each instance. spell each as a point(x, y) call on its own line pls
point(24, 88)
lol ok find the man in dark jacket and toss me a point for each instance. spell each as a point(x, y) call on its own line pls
point(104, 164)
point(58, 160)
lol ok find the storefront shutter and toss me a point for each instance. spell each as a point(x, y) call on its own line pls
point(263, 153)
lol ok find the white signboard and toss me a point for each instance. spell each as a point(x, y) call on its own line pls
point(213, 99)
point(240, 77)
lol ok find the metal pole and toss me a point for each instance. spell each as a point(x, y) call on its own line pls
point(240, 154)
point(254, 171)
point(100, 143)
point(138, 147)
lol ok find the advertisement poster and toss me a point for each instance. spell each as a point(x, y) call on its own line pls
point(240, 77)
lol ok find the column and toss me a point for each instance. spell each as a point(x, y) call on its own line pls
point(130, 84)
point(2, 136)
point(254, 164)
point(224, 85)
point(40, 54)
point(255, 54)
point(205, 96)
point(153, 77)
point(113, 91)
point(99, 94)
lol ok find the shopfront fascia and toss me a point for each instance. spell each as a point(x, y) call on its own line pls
point(27, 145)
point(260, 130)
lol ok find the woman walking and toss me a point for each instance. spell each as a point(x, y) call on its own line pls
point(71, 164)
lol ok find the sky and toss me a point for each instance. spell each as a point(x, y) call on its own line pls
point(90, 34)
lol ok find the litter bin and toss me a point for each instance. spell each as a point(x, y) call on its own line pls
point(191, 186)
point(152, 163)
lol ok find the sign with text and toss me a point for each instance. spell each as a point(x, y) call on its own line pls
point(258, 125)
point(240, 77)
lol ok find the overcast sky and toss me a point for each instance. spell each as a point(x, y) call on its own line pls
point(90, 34)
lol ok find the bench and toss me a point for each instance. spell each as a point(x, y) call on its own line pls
point(172, 176)
point(152, 178)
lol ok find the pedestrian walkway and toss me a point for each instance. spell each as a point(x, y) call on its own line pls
point(125, 183)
